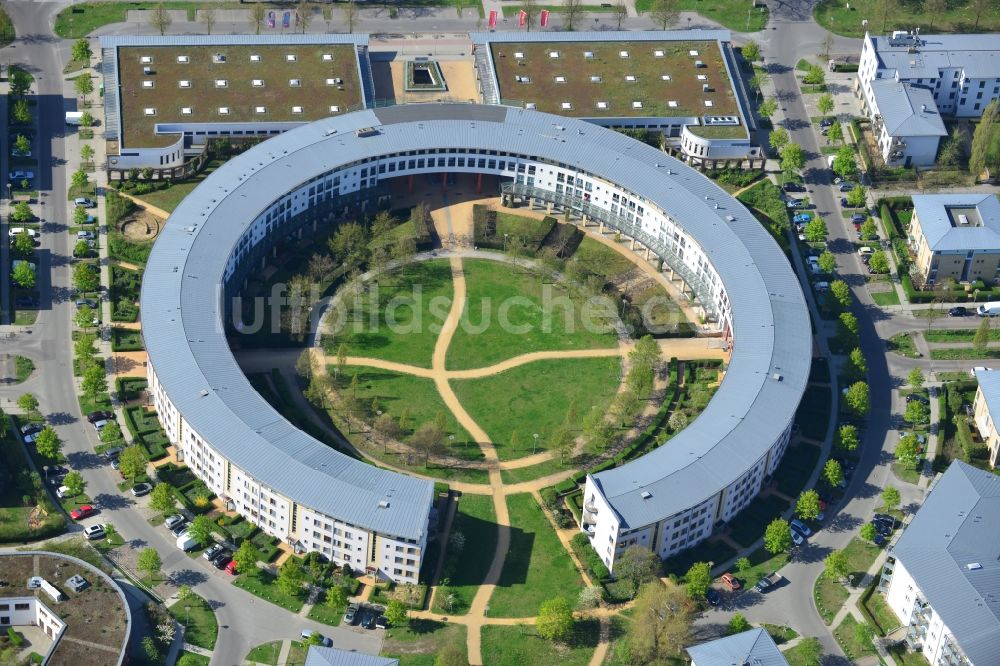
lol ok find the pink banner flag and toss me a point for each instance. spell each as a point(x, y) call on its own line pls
point(544, 18)
point(493, 18)
point(522, 18)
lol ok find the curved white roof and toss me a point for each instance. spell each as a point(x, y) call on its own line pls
point(183, 332)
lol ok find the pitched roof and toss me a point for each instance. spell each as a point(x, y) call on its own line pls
point(751, 647)
point(934, 213)
point(907, 110)
point(951, 550)
point(328, 656)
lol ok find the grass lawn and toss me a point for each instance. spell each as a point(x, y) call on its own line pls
point(418, 396)
point(765, 200)
point(201, 627)
point(535, 398)
point(418, 643)
point(23, 367)
point(845, 635)
point(730, 13)
point(958, 17)
point(537, 567)
point(603, 260)
point(963, 353)
point(884, 617)
point(532, 472)
point(256, 585)
point(830, 595)
point(323, 613)
point(762, 564)
point(519, 644)
point(861, 555)
point(800, 655)
point(957, 334)
point(476, 521)
point(193, 659)
point(903, 344)
point(266, 653)
point(780, 633)
point(885, 297)
point(297, 654)
point(906, 657)
point(908, 474)
point(511, 312)
point(395, 321)
point(168, 199)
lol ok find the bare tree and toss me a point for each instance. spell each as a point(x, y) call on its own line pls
point(979, 7)
point(351, 14)
point(621, 11)
point(160, 19)
point(664, 12)
point(827, 46)
point(257, 14)
point(208, 16)
point(572, 12)
point(304, 11)
point(934, 8)
point(529, 7)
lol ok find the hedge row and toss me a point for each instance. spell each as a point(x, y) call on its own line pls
point(589, 558)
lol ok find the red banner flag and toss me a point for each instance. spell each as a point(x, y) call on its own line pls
point(544, 19)
point(493, 18)
point(522, 18)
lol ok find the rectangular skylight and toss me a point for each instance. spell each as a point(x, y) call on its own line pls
point(672, 103)
point(589, 55)
point(560, 79)
point(327, 57)
point(519, 55)
point(553, 54)
point(296, 109)
point(221, 83)
point(623, 54)
point(630, 77)
point(257, 83)
point(595, 79)
point(295, 83)
point(183, 60)
point(658, 53)
point(693, 52)
point(602, 105)
point(636, 105)
point(186, 110)
point(703, 77)
point(291, 57)
point(665, 77)
point(183, 83)
point(254, 57)
point(223, 110)
point(146, 60)
point(709, 102)
point(149, 111)
point(529, 105)
point(260, 109)
point(566, 106)
point(334, 109)
point(148, 84)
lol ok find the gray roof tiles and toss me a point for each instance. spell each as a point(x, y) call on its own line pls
point(328, 656)
point(959, 525)
point(977, 55)
point(931, 210)
point(907, 110)
point(754, 647)
point(989, 382)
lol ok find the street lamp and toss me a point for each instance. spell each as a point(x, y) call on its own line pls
point(535, 445)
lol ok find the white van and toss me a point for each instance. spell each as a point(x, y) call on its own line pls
point(186, 542)
point(14, 231)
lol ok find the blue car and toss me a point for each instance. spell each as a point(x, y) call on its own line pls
point(713, 596)
point(802, 218)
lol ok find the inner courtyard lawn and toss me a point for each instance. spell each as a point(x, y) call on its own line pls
point(520, 644)
point(537, 567)
point(394, 318)
point(397, 393)
point(536, 398)
point(510, 312)
point(466, 569)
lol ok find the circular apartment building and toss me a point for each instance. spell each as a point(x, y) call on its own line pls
point(302, 491)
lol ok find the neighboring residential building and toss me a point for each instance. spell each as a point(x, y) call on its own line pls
point(942, 576)
point(754, 648)
point(955, 236)
point(328, 656)
point(959, 75)
point(682, 84)
point(906, 123)
point(166, 96)
point(986, 411)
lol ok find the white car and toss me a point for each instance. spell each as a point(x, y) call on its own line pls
point(63, 492)
point(94, 532)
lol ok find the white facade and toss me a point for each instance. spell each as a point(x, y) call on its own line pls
point(907, 150)
point(29, 611)
point(936, 641)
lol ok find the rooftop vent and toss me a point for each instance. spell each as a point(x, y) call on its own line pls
point(257, 83)
point(721, 120)
point(186, 110)
point(365, 132)
point(327, 57)
point(254, 57)
point(664, 77)
point(148, 71)
point(522, 79)
point(777, 376)
point(383, 504)
point(595, 79)
point(183, 60)
point(973, 566)
point(602, 105)
point(699, 63)
point(529, 105)
point(219, 58)
point(623, 54)
point(646, 494)
point(148, 84)
point(589, 55)
point(630, 77)
point(560, 79)
point(183, 83)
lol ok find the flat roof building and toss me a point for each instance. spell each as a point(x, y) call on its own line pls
point(955, 236)
point(754, 647)
point(942, 577)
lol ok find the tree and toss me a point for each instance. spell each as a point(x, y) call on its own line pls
point(620, 10)
point(827, 46)
point(664, 12)
point(48, 444)
point(868, 229)
point(395, 612)
point(201, 529)
point(778, 536)
point(743, 564)
point(149, 562)
point(978, 7)
point(246, 557)
point(908, 450)
point(555, 619)
point(428, 440)
point(257, 14)
point(81, 50)
point(825, 104)
point(835, 565)
point(698, 579)
point(111, 433)
point(87, 119)
point(208, 18)
point(291, 577)
point(83, 85)
point(75, 483)
point(28, 402)
point(844, 164)
point(20, 81)
point(150, 649)
point(793, 158)
point(778, 139)
point(22, 212)
point(982, 138)
point(351, 10)
point(815, 76)
point(836, 132)
point(87, 155)
point(678, 420)
point(916, 412)
point(160, 19)
point(22, 112)
point(857, 197)
point(572, 11)
point(883, 9)
point(890, 496)
point(336, 597)
point(758, 81)
point(840, 292)
point(915, 379)
point(815, 229)
point(304, 14)
point(94, 381)
point(738, 624)
point(807, 506)
point(646, 352)
point(132, 462)
point(452, 654)
point(24, 244)
point(86, 278)
point(981, 340)
point(22, 144)
point(833, 473)
point(84, 317)
point(828, 263)
point(879, 263)
point(162, 498)
point(24, 275)
point(868, 532)
point(661, 626)
point(79, 179)
point(858, 364)
point(636, 565)
point(767, 107)
point(751, 51)
point(320, 266)
point(349, 244)
point(847, 437)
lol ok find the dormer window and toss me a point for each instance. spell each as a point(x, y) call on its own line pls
point(183, 60)
point(221, 83)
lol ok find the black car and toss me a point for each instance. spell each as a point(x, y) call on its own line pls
point(94, 417)
point(879, 540)
point(958, 312)
point(382, 622)
point(368, 620)
point(916, 397)
point(222, 560)
point(846, 186)
point(826, 122)
point(883, 529)
point(712, 595)
point(794, 187)
point(885, 518)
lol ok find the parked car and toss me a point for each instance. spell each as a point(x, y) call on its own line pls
point(793, 203)
point(20, 174)
point(94, 532)
point(173, 521)
point(85, 202)
point(116, 463)
point(82, 512)
point(179, 528)
point(879, 540)
point(231, 568)
point(801, 218)
point(731, 582)
point(31, 428)
point(917, 397)
point(821, 286)
point(368, 620)
point(212, 551)
point(30, 438)
point(882, 528)
point(712, 595)
point(859, 218)
point(768, 582)
point(382, 622)
point(323, 640)
point(846, 186)
point(99, 425)
point(794, 187)
point(350, 615)
point(826, 122)
point(797, 524)
point(186, 542)
point(844, 203)
point(958, 311)
point(63, 492)
point(140, 489)
point(90, 303)
point(797, 538)
point(85, 235)
point(94, 417)
point(222, 560)
point(887, 519)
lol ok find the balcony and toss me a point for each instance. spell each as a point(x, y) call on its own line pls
point(589, 506)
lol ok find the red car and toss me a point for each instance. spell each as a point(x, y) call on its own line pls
point(82, 512)
point(231, 568)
